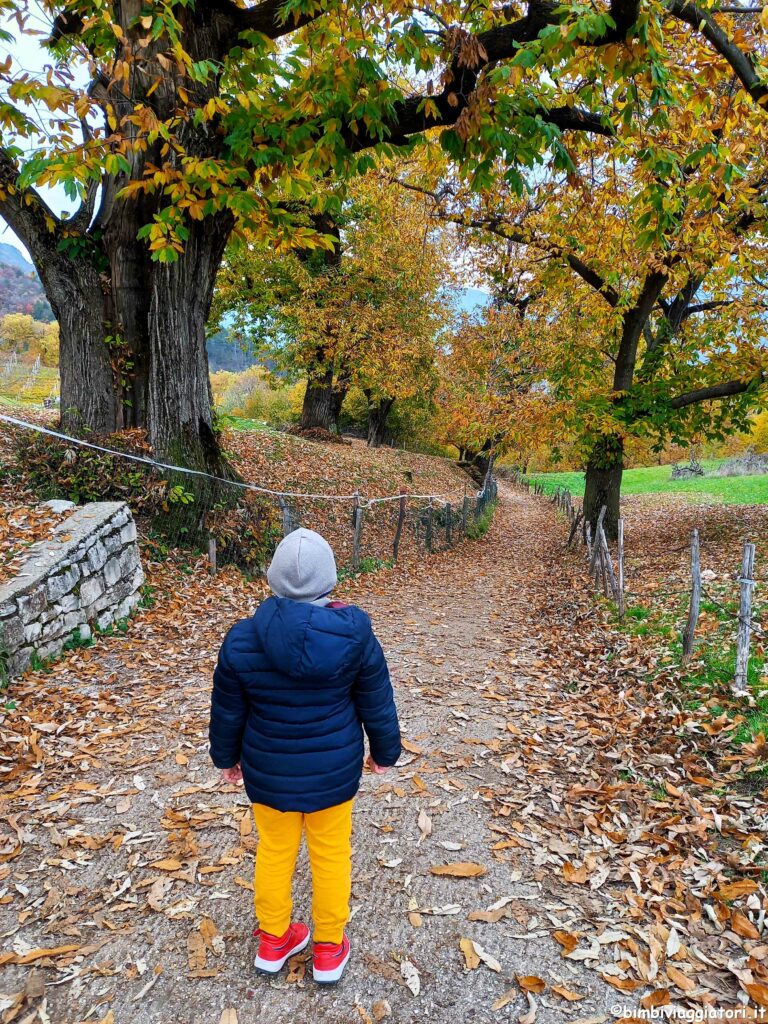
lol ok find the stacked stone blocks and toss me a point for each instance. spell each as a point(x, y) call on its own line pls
point(88, 573)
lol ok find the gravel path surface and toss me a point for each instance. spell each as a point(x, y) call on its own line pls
point(118, 841)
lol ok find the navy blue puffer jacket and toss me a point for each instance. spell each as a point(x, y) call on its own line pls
point(293, 689)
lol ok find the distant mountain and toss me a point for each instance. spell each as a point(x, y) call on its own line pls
point(20, 288)
point(11, 257)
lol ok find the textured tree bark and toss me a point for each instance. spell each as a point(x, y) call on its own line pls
point(318, 410)
point(605, 468)
point(88, 399)
point(378, 414)
point(180, 407)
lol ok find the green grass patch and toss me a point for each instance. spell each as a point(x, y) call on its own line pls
point(731, 490)
point(366, 565)
point(477, 528)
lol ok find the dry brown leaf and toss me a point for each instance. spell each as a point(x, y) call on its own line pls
point(568, 941)
point(659, 997)
point(531, 983)
point(196, 951)
point(365, 1017)
point(167, 864)
point(411, 747)
point(566, 993)
point(741, 924)
point(462, 869)
point(228, 1016)
point(39, 954)
point(574, 875)
point(676, 976)
point(757, 992)
point(381, 1009)
point(471, 959)
point(505, 998)
point(733, 890)
point(622, 984)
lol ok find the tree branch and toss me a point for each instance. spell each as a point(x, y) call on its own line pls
point(593, 279)
point(724, 390)
point(702, 307)
point(24, 210)
point(702, 21)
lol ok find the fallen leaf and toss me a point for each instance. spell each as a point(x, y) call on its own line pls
point(229, 1016)
point(741, 924)
point(530, 983)
point(425, 823)
point(659, 997)
point(757, 992)
point(463, 869)
point(411, 976)
point(566, 993)
point(168, 864)
point(505, 998)
point(530, 1016)
point(381, 1009)
point(471, 958)
point(574, 875)
point(568, 941)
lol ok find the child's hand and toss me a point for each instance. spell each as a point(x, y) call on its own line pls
point(375, 768)
point(233, 775)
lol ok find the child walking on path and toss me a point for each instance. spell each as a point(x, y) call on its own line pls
point(294, 687)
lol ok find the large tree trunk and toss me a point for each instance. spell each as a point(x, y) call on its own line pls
point(378, 413)
point(323, 400)
point(74, 290)
point(605, 467)
point(180, 406)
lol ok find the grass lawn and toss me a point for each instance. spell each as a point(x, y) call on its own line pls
point(738, 490)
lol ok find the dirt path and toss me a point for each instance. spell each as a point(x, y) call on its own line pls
point(119, 842)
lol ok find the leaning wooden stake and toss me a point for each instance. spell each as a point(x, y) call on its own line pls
point(620, 594)
point(693, 608)
point(429, 525)
point(212, 555)
point(574, 527)
point(610, 588)
point(747, 582)
point(448, 525)
point(358, 527)
point(595, 550)
point(400, 522)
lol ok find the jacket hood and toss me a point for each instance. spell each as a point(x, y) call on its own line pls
point(307, 641)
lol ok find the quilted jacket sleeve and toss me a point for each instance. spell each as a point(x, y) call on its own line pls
point(229, 712)
point(375, 704)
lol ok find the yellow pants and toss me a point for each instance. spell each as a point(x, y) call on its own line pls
point(330, 856)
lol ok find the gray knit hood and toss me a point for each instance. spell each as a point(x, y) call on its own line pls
point(303, 567)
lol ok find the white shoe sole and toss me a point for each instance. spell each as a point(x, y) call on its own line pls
point(273, 966)
point(331, 977)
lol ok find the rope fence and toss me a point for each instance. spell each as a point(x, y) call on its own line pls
point(247, 520)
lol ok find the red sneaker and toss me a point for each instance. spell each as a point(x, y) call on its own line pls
point(274, 950)
point(329, 960)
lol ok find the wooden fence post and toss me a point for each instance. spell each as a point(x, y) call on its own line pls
point(448, 524)
point(464, 514)
point(212, 555)
point(400, 521)
point(574, 527)
point(595, 552)
point(358, 526)
point(747, 583)
point(609, 579)
point(620, 553)
point(693, 608)
point(428, 534)
point(289, 524)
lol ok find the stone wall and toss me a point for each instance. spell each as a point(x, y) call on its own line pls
point(88, 572)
